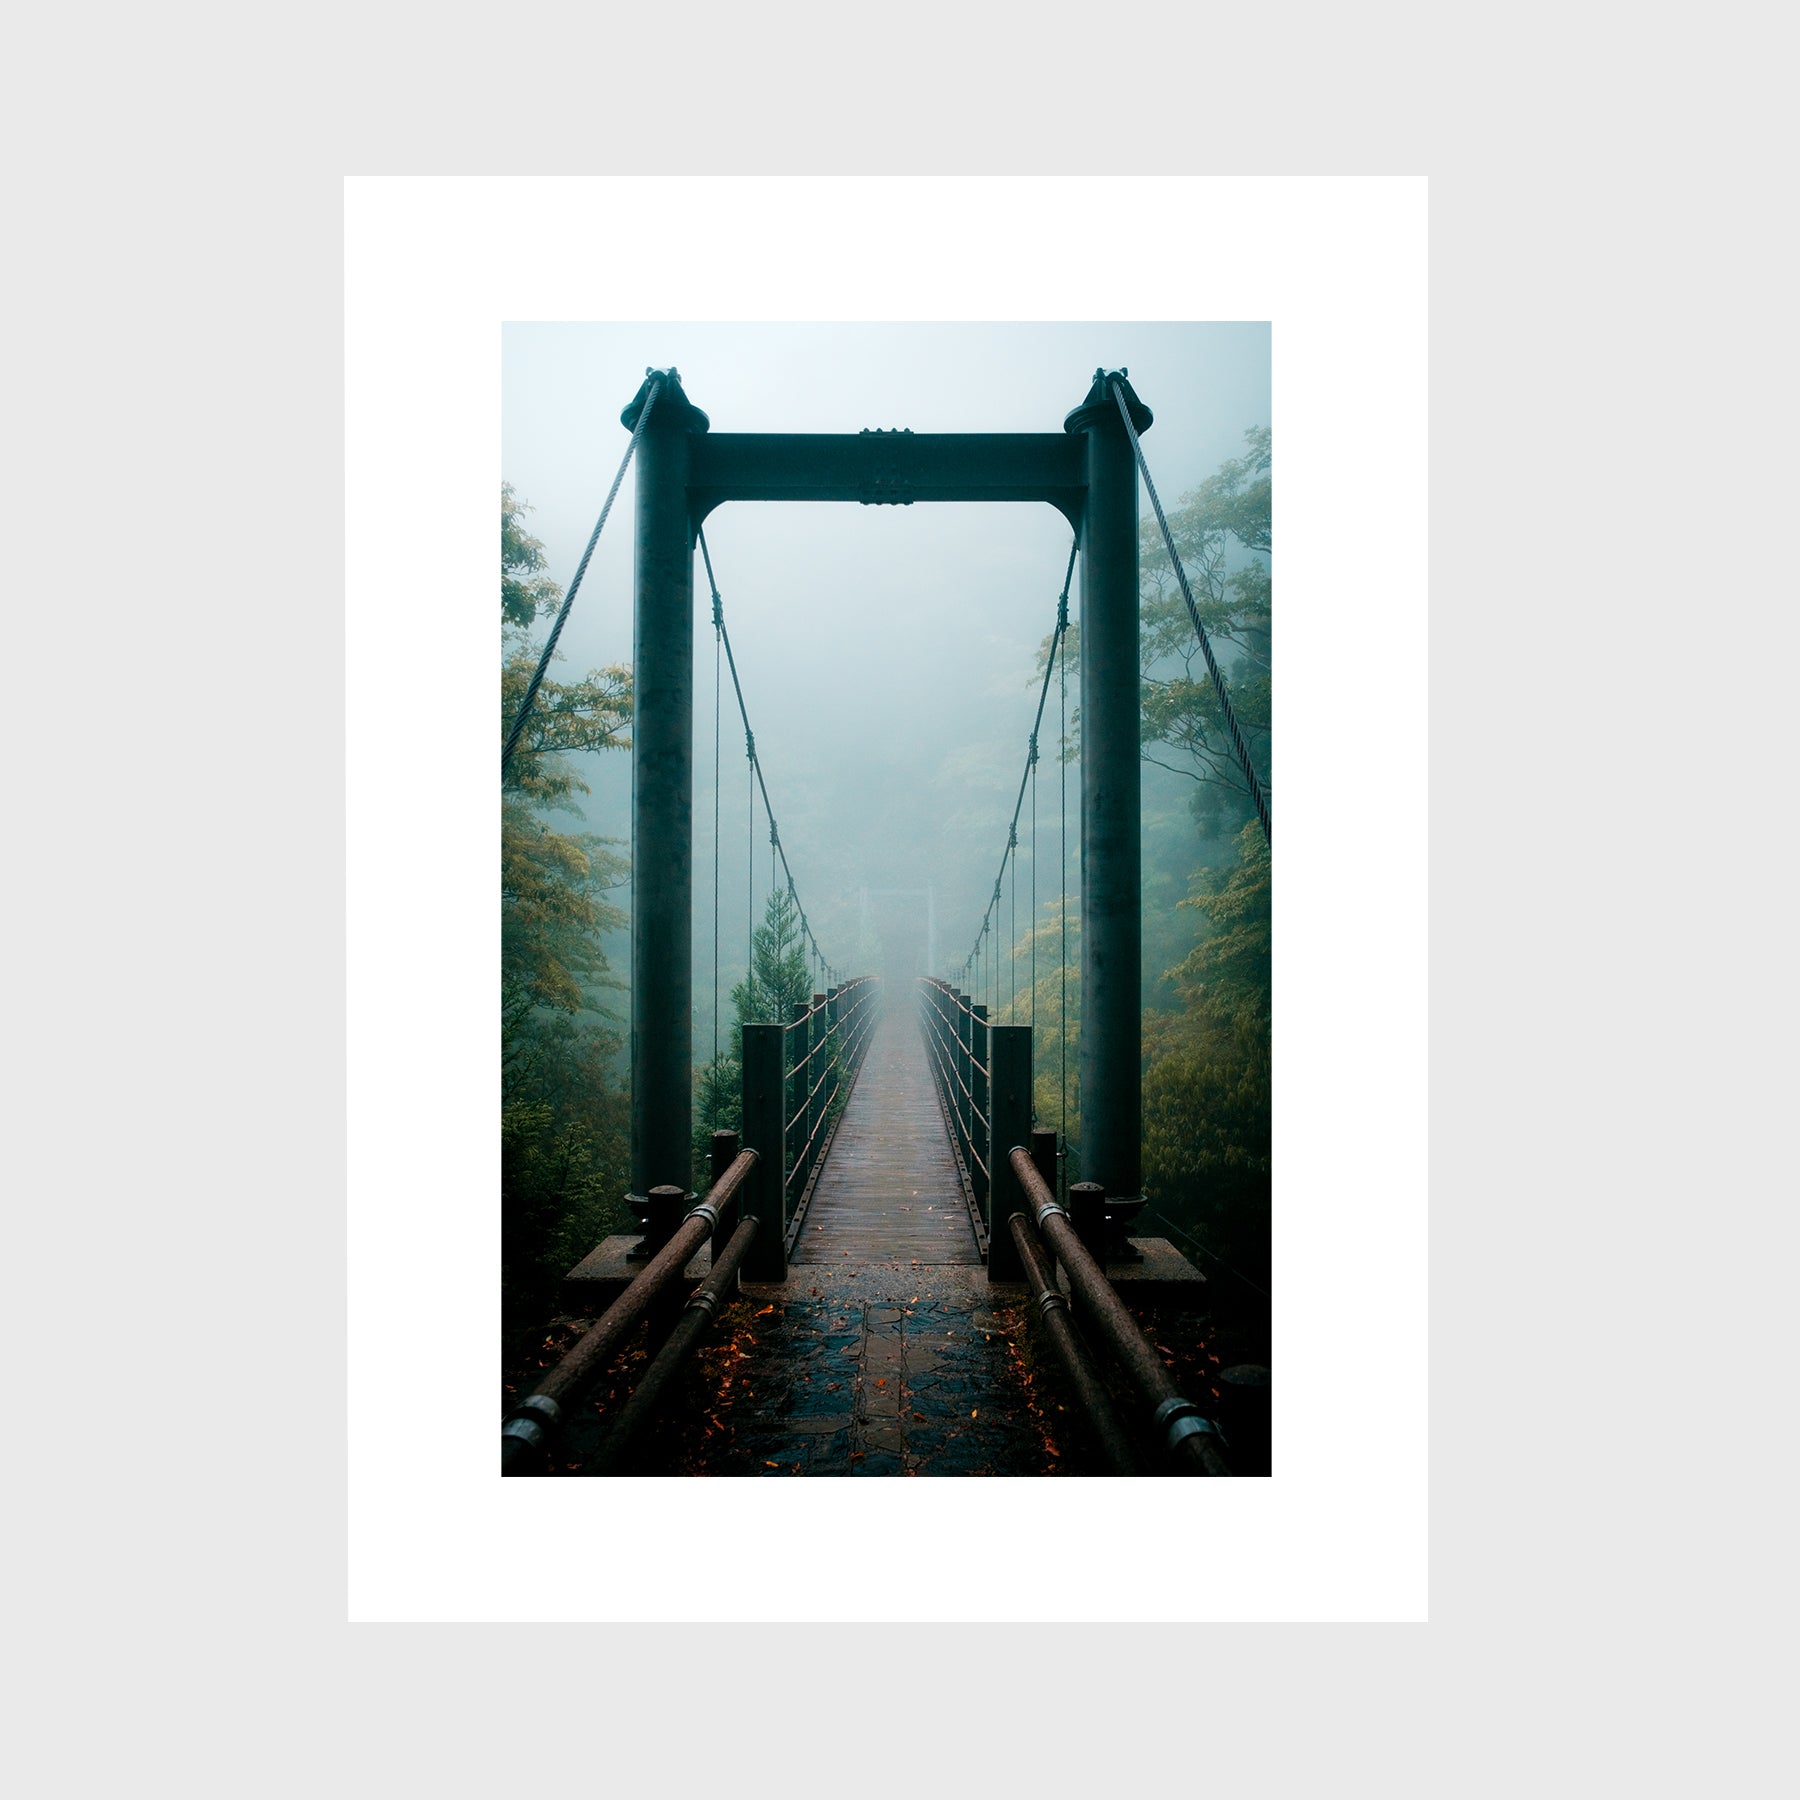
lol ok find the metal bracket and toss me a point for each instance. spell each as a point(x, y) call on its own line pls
point(1183, 1419)
point(885, 482)
point(523, 1425)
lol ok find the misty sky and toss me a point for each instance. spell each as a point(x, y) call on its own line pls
point(886, 653)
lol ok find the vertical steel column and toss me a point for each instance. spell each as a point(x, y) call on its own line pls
point(1110, 1058)
point(662, 794)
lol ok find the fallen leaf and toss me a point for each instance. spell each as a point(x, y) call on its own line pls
point(881, 1381)
point(920, 1417)
point(975, 1412)
point(767, 1309)
point(766, 1463)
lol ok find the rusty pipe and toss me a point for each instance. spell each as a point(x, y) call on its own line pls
point(1190, 1438)
point(715, 1292)
point(1115, 1445)
point(531, 1423)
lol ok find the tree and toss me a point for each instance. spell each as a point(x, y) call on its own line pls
point(1207, 1087)
point(1222, 532)
point(776, 982)
point(564, 1116)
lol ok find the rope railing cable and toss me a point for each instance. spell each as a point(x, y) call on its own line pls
point(1241, 749)
point(991, 916)
point(537, 675)
point(776, 847)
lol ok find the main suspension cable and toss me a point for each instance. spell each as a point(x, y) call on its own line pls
point(537, 675)
point(992, 915)
point(776, 847)
point(1238, 745)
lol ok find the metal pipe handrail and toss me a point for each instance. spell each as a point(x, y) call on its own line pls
point(718, 1290)
point(1190, 1437)
point(1115, 1444)
point(530, 1424)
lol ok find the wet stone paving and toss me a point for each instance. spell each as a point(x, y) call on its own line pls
point(880, 1371)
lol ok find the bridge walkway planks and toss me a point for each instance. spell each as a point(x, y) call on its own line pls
point(889, 1191)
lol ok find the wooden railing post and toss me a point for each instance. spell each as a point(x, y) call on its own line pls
point(764, 1098)
point(1009, 1051)
point(818, 1036)
point(981, 1122)
point(963, 1027)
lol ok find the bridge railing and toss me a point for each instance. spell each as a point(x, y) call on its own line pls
point(533, 1426)
point(956, 1039)
point(797, 1079)
point(983, 1076)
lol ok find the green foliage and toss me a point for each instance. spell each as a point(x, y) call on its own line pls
point(777, 982)
point(564, 1124)
point(1207, 1086)
point(1222, 531)
point(525, 590)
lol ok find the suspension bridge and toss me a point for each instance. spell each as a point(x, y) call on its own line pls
point(891, 1206)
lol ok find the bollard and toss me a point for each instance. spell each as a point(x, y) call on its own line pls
point(1244, 1417)
point(668, 1207)
point(1010, 1051)
point(723, 1155)
point(1087, 1213)
point(1043, 1155)
point(763, 1098)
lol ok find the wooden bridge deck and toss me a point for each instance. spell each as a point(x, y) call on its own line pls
point(889, 1190)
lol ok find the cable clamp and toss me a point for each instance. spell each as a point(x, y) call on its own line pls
point(705, 1301)
point(528, 1428)
point(1049, 1300)
point(750, 743)
point(1183, 1419)
point(1049, 1207)
point(718, 612)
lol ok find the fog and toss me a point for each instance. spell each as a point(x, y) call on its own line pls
point(887, 654)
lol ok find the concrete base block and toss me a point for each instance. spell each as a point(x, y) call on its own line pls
point(604, 1273)
point(1161, 1274)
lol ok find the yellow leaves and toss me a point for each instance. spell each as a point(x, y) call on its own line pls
point(769, 1308)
